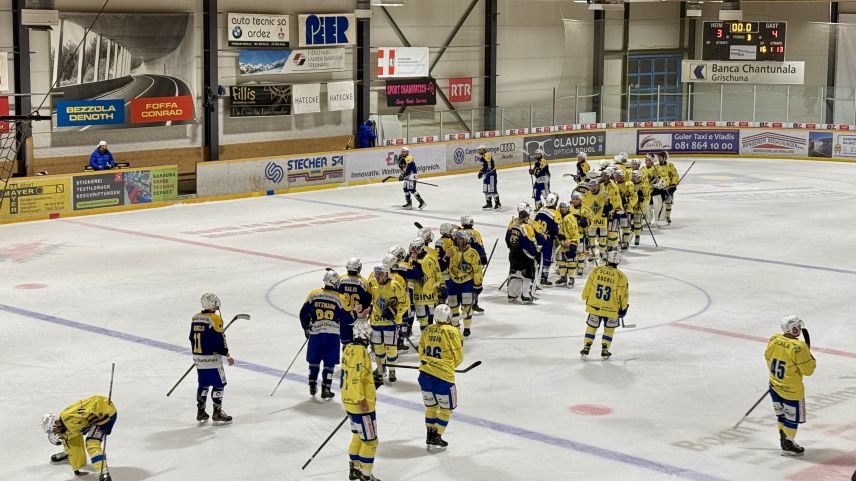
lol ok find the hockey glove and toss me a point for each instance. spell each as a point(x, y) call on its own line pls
point(306, 333)
point(444, 293)
point(583, 222)
point(607, 209)
point(481, 174)
point(388, 314)
point(623, 312)
point(477, 290)
point(401, 177)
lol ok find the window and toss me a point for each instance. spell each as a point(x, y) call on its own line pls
point(645, 72)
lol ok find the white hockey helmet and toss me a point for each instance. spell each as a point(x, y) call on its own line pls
point(447, 229)
point(331, 278)
point(523, 209)
point(354, 265)
point(594, 183)
point(417, 244)
point(613, 257)
point(442, 314)
point(482, 147)
point(552, 199)
point(210, 301)
point(397, 251)
point(540, 152)
point(616, 159)
point(582, 156)
point(362, 330)
point(634, 164)
point(48, 422)
point(792, 325)
point(461, 235)
point(564, 206)
point(604, 164)
point(389, 261)
point(467, 221)
point(576, 196)
point(623, 156)
point(405, 150)
point(426, 234)
point(636, 176)
point(619, 173)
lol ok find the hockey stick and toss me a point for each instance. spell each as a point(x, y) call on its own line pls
point(751, 409)
point(807, 337)
point(239, 316)
point(418, 225)
point(388, 178)
point(426, 183)
point(104, 448)
point(466, 369)
point(490, 257)
point(503, 283)
point(289, 367)
point(626, 326)
point(342, 422)
point(687, 172)
point(649, 230)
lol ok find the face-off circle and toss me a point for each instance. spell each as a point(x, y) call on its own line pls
point(590, 410)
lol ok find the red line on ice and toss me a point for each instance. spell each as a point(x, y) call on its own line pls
point(203, 244)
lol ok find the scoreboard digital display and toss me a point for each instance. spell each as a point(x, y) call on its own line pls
point(747, 41)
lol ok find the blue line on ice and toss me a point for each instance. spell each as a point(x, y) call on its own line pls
point(459, 417)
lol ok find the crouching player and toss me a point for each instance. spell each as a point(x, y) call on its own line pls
point(358, 398)
point(441, 350)
point(83, 423)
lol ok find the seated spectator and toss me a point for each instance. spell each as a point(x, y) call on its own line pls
point(366, 135)
point(101, 158)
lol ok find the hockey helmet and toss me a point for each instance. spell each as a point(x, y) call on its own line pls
point(523, 209)
point(389, 261)
point(397, 251)
point(354, 265)
point(576, 196)
point(564, 207)
point(48, 422)
point(417, 244)
point(331, 278)
point(210, 302)
point(426, 234)
point(619, 173)
point(405, 150)
point(582, 156)
point(604, 164)
point(467, 221)
point(634, 164)
point(442, 314)
point(447, 229)
point(613, 257)
point(623, 156)
point(594, 184)
point(636, 176)
point(482, 147)
point(552, 199)
point(792, 325)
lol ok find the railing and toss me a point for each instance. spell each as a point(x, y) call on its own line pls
point(702, 102)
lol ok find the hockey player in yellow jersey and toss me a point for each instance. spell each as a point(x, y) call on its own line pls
point(401, 268)
point(465, 277)
point(427, 283)
point(81, 428)
point(389, 303)
point(606, 298)
point(584, 218)
point(569, 239)
point(596, 200)
point(441, 350)
point(442, 246)
point(642, 192)
point(614, 210)
point(359, 395)
point(670, 174)
point(427, 237)
point(628, 200)
point(788, 360)
point(476, 241)
point(355, 288)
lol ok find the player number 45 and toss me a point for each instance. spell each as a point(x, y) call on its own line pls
point(777, 368)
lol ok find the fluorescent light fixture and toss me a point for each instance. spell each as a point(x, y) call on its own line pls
point(387, 4)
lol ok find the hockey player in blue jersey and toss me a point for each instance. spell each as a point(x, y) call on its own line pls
point(488, 176)
point(547, 223)
point(522, 255)
point(355, 289)
point(408, 176)
point(540, 171)
point(327, 322)
point(209, 347)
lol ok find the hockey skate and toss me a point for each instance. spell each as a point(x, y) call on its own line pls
point(436, 443)
point(326, 393)
point(605, 354)
point(562, 281)
point(512, 300)
point(570, 282)
point(105, 477)
point(59, 458)
point(422, 203)
point(466, 332)
point(313, 389)
point(585, 352)
point(497, 205)
point(367, 477)
point(201, 415)
point(220, 417)
point(408, 205)
point(488, 205)
point(392, 378)
point(478, 309)
point(378, 377)
point(526, 300)
point(790, 447)
point(546, 282)
point(353, 472)
point(636, 241)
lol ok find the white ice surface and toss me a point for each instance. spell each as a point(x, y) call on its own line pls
point(752, 241)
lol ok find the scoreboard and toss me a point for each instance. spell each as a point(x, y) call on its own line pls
point(741, 40)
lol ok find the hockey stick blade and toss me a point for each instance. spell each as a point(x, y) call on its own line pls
point(418, 225)
point(470, 367)
point(388, 178)
point(245, 317)
point(626, 326)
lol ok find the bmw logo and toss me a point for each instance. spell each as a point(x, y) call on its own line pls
point(458, 157)
point(237, 32)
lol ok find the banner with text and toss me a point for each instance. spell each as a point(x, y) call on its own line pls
point(376, 164)
point(845, 145)
point(257, 30)
point(161, 109)
point(327, 30)
point(79, 113)
point(743, 72)
point(402, 62)
point(688, 141)
point(566, 145)
point(411, 92)
point(259, 101)
point(36, 196)
point(306, 98)
point(774, 143)
point(124, 187)
point(275, 62)
point(460, 89)
point(503, 150)
point(340, 95)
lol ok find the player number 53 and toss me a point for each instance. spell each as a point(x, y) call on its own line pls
point(603, 292)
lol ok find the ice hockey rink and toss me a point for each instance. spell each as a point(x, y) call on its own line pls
point(751, 242)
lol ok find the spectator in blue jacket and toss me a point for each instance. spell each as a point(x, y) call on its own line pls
point(366, 135)
point(101, 158)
